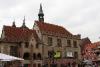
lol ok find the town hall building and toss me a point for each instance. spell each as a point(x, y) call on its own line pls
point(47, 45)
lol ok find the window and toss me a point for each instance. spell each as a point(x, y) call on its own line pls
point(13, 50)
point(50, 54)
point(75, 44)
point(34, 56)
point(75, 55)
point(26, 45)
point(49, 41)
point(59, 44)
point(26, 56)
point(39, 56)
point(69, 43)
point(37, 45)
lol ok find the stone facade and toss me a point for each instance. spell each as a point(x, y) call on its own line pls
point(64, 48)
point(13, 42)
point(35, 45)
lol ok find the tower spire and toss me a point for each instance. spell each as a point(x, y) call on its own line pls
point(24, 20)
point(40, 10)
point(13, 25)
point(23, 25)
point(41, 14)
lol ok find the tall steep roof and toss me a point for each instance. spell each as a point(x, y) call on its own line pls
point(17, 34)
point(53, 29)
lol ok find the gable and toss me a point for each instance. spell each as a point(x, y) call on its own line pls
point(17, 34)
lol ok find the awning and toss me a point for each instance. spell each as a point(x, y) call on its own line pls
point(4, 57)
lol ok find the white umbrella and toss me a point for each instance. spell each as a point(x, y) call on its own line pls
point(8, 57)
point(6, 60)
point(87, 61)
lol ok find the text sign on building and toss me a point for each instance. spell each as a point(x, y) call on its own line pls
point(69, 54)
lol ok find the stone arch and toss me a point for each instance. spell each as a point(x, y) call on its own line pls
point(39, 56)
point(34, 56)
point(26, 55)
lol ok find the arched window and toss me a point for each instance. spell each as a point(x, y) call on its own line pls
point(37, 45)
point(26, 56)
point(34, 56)
point(39, 56)
point(26, 45)
point(14, 50)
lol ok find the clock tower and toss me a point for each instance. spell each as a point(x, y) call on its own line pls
point(41, 14)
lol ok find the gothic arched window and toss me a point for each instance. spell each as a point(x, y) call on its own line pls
point(26, 56)
point(34, 56)
point(39, 56)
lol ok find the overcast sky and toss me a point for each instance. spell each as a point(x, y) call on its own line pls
point(77, 16)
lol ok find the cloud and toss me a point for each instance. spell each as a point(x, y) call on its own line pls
point(78, 16)
point(81, 17)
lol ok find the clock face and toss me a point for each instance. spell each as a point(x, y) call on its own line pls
point(41, 17)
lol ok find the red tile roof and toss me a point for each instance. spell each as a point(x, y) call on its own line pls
point(84, 42)
point(17, 34)
point(89, 52)
point(52, 29)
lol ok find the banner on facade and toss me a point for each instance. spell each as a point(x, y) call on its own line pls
point(57, 54)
